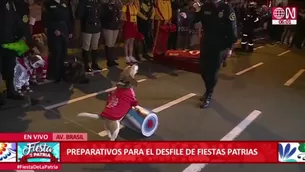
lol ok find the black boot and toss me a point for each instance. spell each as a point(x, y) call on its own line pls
point(250, 49)
point(3, 97)
point(110, 57)
point(203, 97)
point(206, 100)
point(243, 47)
point(224, 63)
point(136, 51)
point(94, 56)
point(2, 92)
point(145, 52)
point(86, 61)
point(106, 52)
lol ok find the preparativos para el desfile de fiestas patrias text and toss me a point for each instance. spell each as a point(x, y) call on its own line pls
point(164, 152)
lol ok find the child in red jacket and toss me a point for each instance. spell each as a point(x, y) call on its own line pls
point(119, 102)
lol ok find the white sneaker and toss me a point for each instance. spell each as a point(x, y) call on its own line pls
point(133, 60)
point(127, 59)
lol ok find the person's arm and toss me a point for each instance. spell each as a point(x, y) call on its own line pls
point(103, 13)
point(45, 15)
point(70, 21)
point(123, 14)
point(199, 15)
point(140, 14)
point(24, 31)
point(153, 13)
point(170, 11)
point(79, 12)
point(232, 29)
point(256, 19)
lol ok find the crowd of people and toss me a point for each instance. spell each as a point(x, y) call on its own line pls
point(291, 35)
point(153, 25)
point(57, 20)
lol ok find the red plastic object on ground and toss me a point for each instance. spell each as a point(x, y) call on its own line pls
point(180, 59)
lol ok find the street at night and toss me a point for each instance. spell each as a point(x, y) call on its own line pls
point(259, 96)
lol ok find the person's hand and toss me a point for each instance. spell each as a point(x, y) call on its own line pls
point(196, 6)
point(183, 14)
point(57, 32)
point(229, 53)
point(70, 36)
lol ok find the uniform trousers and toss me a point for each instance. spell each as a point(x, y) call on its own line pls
point(286, 35)
point(298, 39)
point(173, 40)
point(7, 66)
point(145, 27)
point(58, 48)
point(211, 58)
point(90, 40)
point(2, 91)
point(110, 37)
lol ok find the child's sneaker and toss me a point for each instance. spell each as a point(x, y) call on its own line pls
point(128, 62)
point(133, 60)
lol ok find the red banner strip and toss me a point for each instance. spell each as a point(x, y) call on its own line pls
point(169, 152)
point(43, 137)
point(19, 137)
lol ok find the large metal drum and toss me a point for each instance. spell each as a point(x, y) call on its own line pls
point(142, 121)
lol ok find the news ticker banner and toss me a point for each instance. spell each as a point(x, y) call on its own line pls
point(32, 154)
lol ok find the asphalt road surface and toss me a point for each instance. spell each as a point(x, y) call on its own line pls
point(271, 80)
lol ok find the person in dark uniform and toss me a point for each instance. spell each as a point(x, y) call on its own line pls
point(111, 23)
point(145, 16)
point(11, 30)
point(22, 8)
point(299, 35)
point(2, 91)
point(89, 14)
point(249, 23)
point(219, 35)
point(57, 19)
point(177, 5)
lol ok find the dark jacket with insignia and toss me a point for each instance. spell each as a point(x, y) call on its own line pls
point(23, 10)
point(89, 13)
point(12, 27)
point(219, 25)
point(110, 17)
point(58, 16)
